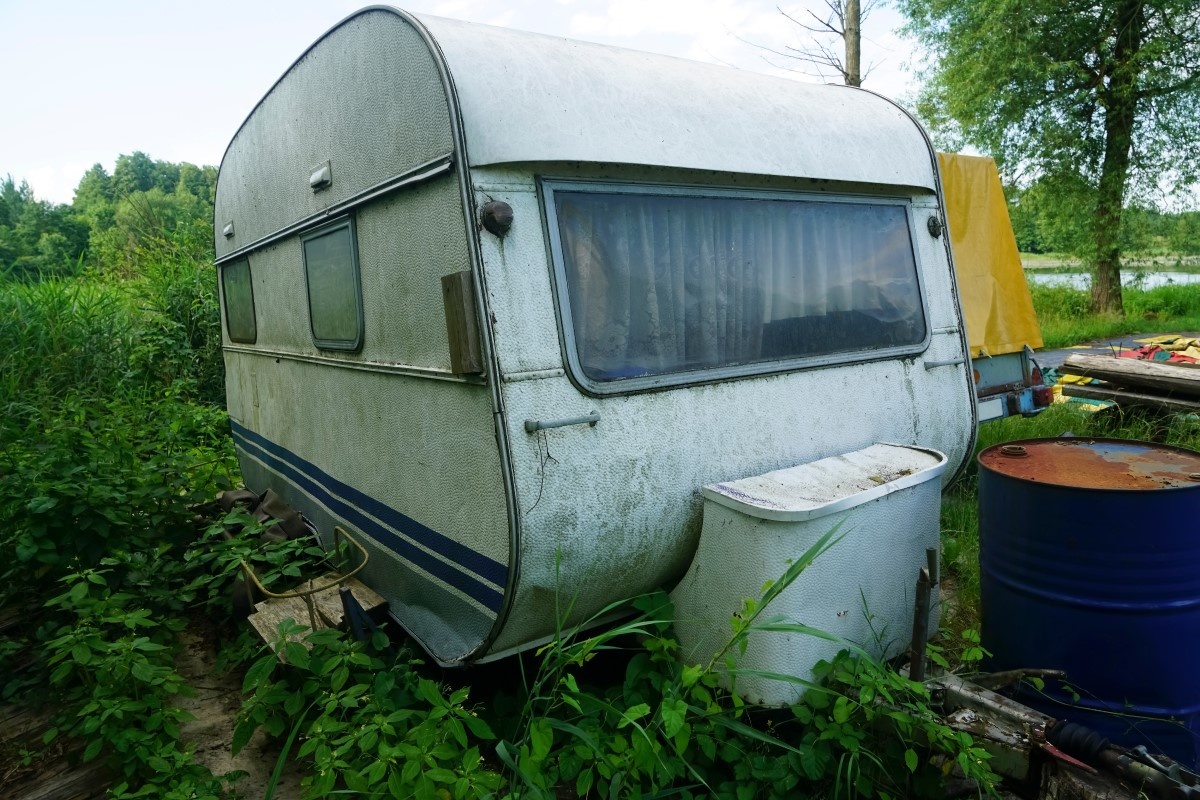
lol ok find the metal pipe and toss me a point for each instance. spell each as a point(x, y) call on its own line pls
point(952, 362)
point(306, 594)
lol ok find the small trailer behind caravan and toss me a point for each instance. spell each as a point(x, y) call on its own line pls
point(1002, 328)
point(501, 304)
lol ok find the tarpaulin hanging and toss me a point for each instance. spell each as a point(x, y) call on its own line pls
point(996, 302)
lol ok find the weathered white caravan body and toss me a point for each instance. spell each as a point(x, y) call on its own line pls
point(709, 274)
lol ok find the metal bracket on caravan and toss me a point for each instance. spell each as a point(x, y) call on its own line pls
point(535, 425)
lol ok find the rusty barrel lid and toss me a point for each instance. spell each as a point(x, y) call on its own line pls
point(1095, 463)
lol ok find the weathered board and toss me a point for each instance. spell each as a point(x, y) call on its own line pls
point(56, 774)
point(327, 604)
point(1128, 397)
point(1178, 380)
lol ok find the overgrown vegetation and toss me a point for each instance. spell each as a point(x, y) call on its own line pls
point(372, 724)
point(861, 729)
point(112, 433)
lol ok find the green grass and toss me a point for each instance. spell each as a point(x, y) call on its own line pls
point(1065, 317)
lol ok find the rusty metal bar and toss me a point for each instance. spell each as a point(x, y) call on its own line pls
point(339, 534)
point(927, 578)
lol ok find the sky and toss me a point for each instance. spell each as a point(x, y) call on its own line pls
point(85, 81)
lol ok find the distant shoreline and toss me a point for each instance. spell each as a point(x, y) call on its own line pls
point(1054, 262)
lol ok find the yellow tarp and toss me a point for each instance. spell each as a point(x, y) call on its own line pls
point(996, 302)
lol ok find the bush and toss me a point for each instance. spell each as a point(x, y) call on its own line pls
point(96, 476)
point(861, 729)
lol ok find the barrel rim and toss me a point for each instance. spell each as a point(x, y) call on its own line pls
point(1093, 439)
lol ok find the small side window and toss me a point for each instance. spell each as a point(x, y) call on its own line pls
point(238, 291)
point(334, 293)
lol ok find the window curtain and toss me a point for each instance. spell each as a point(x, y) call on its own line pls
point(661, 284)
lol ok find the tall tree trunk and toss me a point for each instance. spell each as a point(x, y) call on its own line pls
point(852, 28)
point(1120, 104)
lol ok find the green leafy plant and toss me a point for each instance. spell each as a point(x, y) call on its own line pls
point(861, 729)
point(93, 477)
point(238, 539)
point(367, 722)
point(112, 665)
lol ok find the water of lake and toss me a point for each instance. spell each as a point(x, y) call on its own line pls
point(1129, 277)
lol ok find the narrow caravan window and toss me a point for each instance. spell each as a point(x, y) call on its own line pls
point(238, 292)
point(663, 286)
point(334, 293)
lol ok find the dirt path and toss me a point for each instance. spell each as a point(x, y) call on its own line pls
point(215, 707)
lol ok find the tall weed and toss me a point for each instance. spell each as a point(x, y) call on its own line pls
point(59, 336)
point(179, 341)
point(673, 728)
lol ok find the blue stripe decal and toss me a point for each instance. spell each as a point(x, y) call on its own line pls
point(343, 499)
point(481, 565)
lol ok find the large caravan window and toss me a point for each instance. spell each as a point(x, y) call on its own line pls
point(239, 302)
point(334, 294)
point(660, 286)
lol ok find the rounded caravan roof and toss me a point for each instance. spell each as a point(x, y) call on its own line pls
point(523, 97)
point(529, 97)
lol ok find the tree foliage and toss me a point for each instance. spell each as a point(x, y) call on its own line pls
point(36, 237)
point(1098, 101)
point(145, 207)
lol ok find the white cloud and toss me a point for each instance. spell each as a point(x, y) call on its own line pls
point(56, 182)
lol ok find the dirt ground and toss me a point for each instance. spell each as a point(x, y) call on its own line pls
point(215, 707)
point(30, 770)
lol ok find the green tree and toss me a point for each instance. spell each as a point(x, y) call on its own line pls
point(1046, 218)
point(95, 197)
point(1103, 94)
point(36, 237)
point(1184, 235)
point(146, 207)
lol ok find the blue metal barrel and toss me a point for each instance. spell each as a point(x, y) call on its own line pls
point(1090, 563)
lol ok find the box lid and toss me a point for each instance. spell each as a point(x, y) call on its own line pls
point(809, 491)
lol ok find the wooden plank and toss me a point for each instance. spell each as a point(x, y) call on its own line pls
point(52, 775)
point(20, 722)
point(1127, 397)
point(269, 613)
point(1178, 380)
point(84, 782)
point(328, 604)
point(11, 617)
point(462, 329)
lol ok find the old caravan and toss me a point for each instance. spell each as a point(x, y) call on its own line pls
point(501, 304)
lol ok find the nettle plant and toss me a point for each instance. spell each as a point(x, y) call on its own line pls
point(861, 729)
point(110, 648)
point(365, 720)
